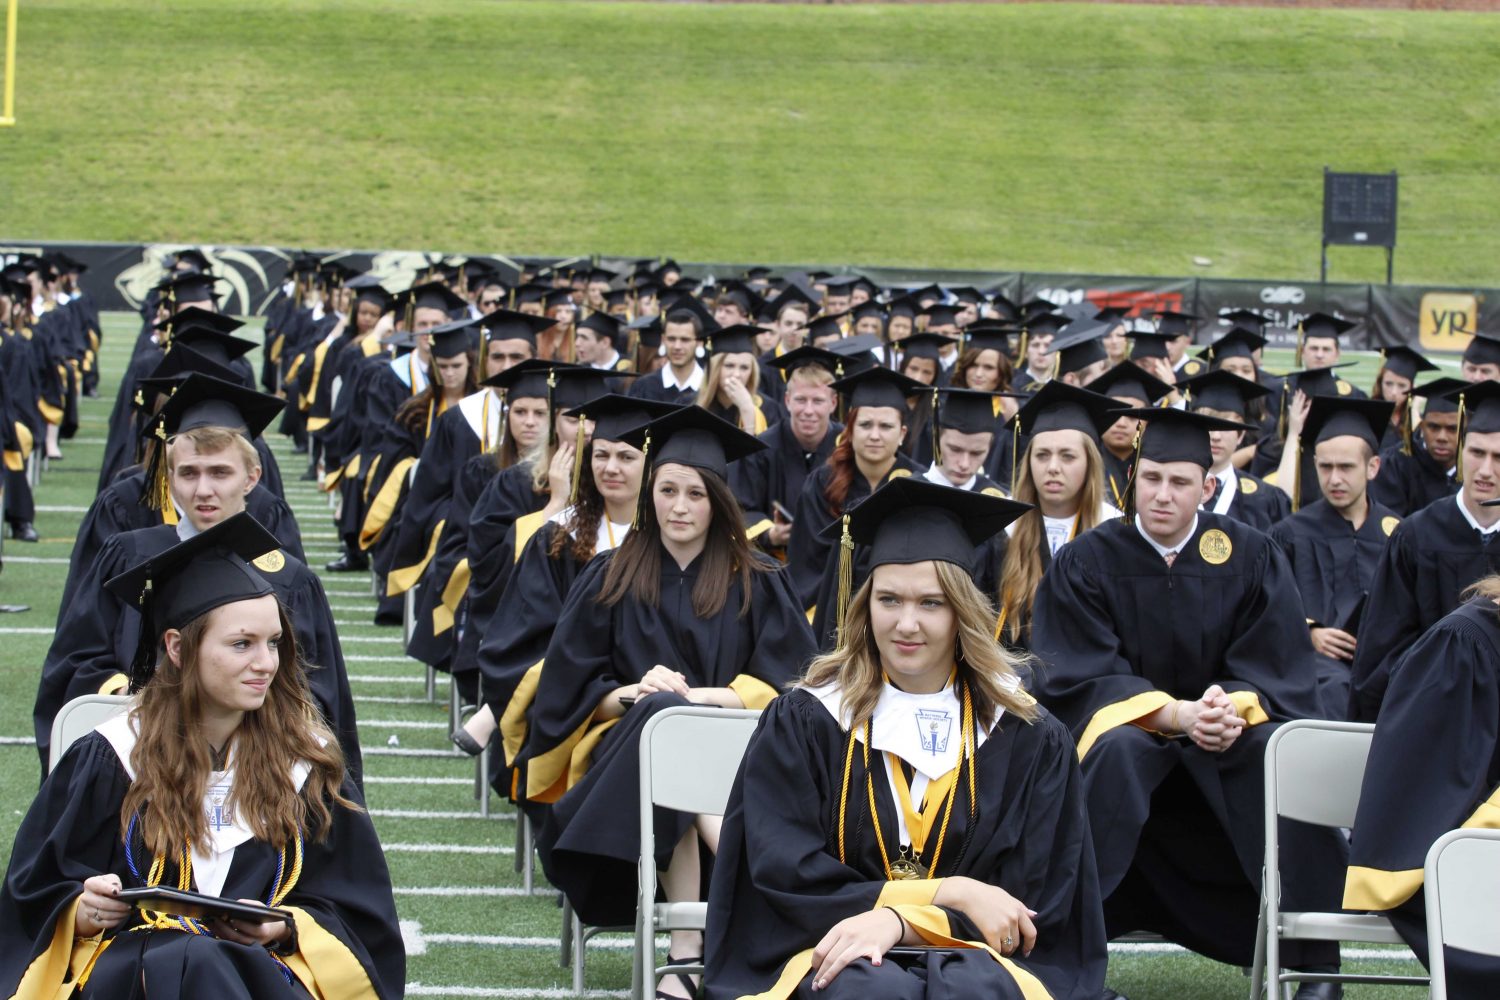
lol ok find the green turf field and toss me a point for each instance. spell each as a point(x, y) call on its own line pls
point(471, 929)
point(1039, 137)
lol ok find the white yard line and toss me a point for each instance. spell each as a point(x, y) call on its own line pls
point(374, 779)
point(434, 814)
point(445, 849)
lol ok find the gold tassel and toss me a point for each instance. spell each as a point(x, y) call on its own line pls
point(1301, 339)
point(846, 573)
point(1286, 390)
point(578, 447)
point(158, 494)
point(1015, 453)
point(1458, 464)
point(936, 449)
point(644, 494)
point(1140, 438)
point(1408, 418)
point(1296, 474)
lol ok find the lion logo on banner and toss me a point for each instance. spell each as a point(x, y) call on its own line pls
point(233, 266)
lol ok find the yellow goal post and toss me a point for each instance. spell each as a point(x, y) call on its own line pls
point(8, 82)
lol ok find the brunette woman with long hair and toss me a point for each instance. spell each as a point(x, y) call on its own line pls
point(825, 864)
point(1398, 373)
point(684, 611)
point(219, 779)
point(1061, 474)
point(985, 365)
point(867, 455)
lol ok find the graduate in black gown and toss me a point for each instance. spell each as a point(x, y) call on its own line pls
point(685, 323)
point(1237, 494)
point(1170, 644)
point(210, 473)
point(966, 848)
point(869, 456)
point(731, 383)
point(220, 780)
point(1443, 699)
point(1131, 386)
point(1433, 555)
point(1335, 544)
point(684, 611)
point(768, 483)
point(1418, 473)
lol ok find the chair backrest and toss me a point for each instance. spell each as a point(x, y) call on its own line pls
point(78, 718)
point(1462, 885)
point(1314, 770)
point(690, 755)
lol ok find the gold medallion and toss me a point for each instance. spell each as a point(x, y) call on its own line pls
point(1215, 547)
point(1388, 524)
point(991, 491)
point(1248, 486)
point(1344, 388)
point(271, 562)
point(899, 473)
point(904, 869)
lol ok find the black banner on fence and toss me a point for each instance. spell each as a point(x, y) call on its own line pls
point(1438, 319)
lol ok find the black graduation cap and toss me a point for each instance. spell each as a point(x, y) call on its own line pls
point(1436, 392)
point(1007, 310)
point(647, 330)
point(1150, 344)
point(926, 293)
point(1404, 361)
point(757, 273)
point(648, 288)
point(925, 345)
point(598, 274)
point(431, 295)
point(1058, 406)
point(176, 365)
point(967, 294)
point(617, 297)
point(189, 286)
point(737, 339)
point(1324, 326)
point(941, 314)
point(807, 354)
point(503, 324)
point(1045, 324)
point(210, 339)
point(531, 293)
point(1172, 323)
point(1483, 349)
point(668, 266)
point(367, 288)
point(1173, 435)
point(682, 305)
point(877, 387)
point(905, 305)
point(740, 294)
point(190, 579)
point(968, 411)
point(690, 435)
point(204, 401)
point(1221, 390)
point(1331, 417)
point(868, 309)
point(1112, 315)
point(554, 297)
point(533, 378)
point(792, 293)
point(615, 415)
point(989, 335)
point(1244, 319)
point(1478, 406)
point(197, 259)
point(842, 284)
point(1316, 381)
point(825, 326)
point(301, 264)
point(452, 339)
point(857, 346)
point(603, 324)
point(911, 520)
point(1237, 343)
point(1080, 347)
point(1129, 380)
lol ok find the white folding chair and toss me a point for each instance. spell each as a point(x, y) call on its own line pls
point(78, 718)
point(1461, 879)
point(1314, 770)
point(689, 759)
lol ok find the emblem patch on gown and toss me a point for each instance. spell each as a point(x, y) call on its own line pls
point(1344, 387)
point(219, 816)
point(899, 473)
point(271, 562)
point(1388, 524)
point(1248, 486)
point(991, 491)
point(934, 726)
point(1215, 547)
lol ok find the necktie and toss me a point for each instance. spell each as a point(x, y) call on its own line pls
point(1214, 497)
point(1170, 558)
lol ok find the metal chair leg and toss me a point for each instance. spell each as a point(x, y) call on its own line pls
point(580, 950)
point(566, 958)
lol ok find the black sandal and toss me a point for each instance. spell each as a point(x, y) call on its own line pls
point(683, 978)
point(465, 742)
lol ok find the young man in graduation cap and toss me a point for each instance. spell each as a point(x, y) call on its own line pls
point(1080, 355)
point(208, 470)
point(594, 343)
point(1481, 358)
point(964, 427)
point(1177, 328)
point(1335, 543)
point(1134, 388)
point(1433, 555)
point(767, 483)
point(1295, 390)
point(1424, 468)
point(1037, 334)
point(684, 324)
point(1236, 494)
point(1171, 642)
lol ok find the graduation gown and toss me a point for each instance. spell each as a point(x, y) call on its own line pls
point(652, 386)
point(348, 943)
point(97, 635)
point(1432, 556)
point(808, 552)
point(1255, 502)
point(1178, 831)
point(779, 885)
point(768, 413)
point(591, 771)
point(1444, 698)
point(1116, 478)
point(777, 473)
point(124, 429)
point(1407, 483)
point(1334, 565)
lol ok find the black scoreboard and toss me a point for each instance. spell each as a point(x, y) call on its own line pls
point(1359, 210)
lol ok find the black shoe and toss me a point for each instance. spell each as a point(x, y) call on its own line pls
point(388, 618)
point(347, 563)
point(22, 531)
point(1319, 991)
point(310, 476)
point(299, 449)
point(1110, 994)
